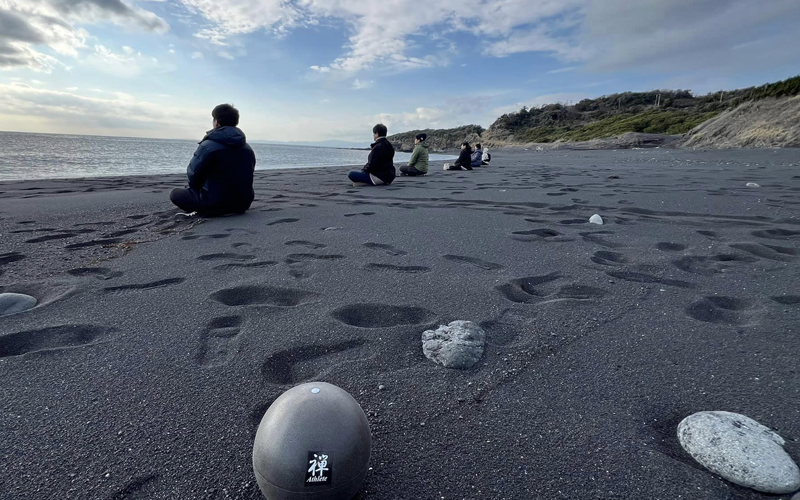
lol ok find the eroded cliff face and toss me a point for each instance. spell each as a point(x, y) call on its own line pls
point(768, 123)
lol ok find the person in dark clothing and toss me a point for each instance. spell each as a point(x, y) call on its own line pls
point(380, 167)
point(477, 156)
point(464, 159)
point(221, 171)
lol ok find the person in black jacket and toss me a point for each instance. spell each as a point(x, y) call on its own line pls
point(464, 159)
point(221, 171)
point(380, 167)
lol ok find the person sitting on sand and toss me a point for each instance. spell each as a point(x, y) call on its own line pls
point(380, 167)
point(418, 164)
point(464, 159)
point(221, 171)
point(487, 157)
point(476, 159)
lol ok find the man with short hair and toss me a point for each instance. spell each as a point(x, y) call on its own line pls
point(221, 171)
point(379, 169)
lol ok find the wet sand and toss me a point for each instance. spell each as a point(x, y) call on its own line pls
point(159, 341)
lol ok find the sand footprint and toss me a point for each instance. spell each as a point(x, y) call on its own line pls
point(226, 256)
point(250, 295)
point(144, 286)
point(218, 342)
point(282, 221)
point(472, 261)
point(769, 252)
point(382, 315)
point(51, 339)
point(141, 487)
point(605, 258)
point(544, 289)
point(101, 273)
point(297, 364)
point(9, 257)
point(389, 249)
point(397, 269)
point(307, 244)
point(722, 310)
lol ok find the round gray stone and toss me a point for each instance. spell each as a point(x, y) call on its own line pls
point(740, 450)
point(313, 443)
point(457, 345)
point(11, 303)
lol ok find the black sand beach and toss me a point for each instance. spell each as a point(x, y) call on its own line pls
point(160, 341)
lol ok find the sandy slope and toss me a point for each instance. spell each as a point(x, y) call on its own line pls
point(769, 123)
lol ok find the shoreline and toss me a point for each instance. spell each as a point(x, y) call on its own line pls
point(183, 174)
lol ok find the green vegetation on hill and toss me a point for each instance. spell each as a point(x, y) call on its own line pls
point(650, 122)
point(668, 112)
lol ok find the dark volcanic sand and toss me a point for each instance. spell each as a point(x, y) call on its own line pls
point(160, 341)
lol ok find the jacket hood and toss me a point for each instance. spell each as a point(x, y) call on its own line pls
point(231, 137)
point(423, 145)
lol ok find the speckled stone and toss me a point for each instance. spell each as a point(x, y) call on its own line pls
point(740, 450)
point(457, 345)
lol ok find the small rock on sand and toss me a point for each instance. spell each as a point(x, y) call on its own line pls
point(457, 345)
point(752, 185)
point(11, 303)
point(596, 219)
point(740, 450)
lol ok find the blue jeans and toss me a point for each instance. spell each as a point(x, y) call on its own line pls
point(360, 176)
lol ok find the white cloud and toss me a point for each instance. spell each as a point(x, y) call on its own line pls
point(420, 118)
point(362, 84)
point(171, 51)
point(562, 70)
point(541, 100)
point(56, 110)
point(28, 24)
point(378, 33)
point(603, 35)
point(127, 50)
point(72, 89)
point(122, 65)
point(197, 55)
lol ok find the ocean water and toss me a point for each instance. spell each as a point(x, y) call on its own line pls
point(50, 156)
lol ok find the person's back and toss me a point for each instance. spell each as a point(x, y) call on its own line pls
point(227, 172)
point(221, 171)
point(476, 159)
point(422, 158)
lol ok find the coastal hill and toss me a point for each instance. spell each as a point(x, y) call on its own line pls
point(662, 112)
point(439, 140)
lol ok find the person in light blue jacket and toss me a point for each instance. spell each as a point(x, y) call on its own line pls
point(476, 160)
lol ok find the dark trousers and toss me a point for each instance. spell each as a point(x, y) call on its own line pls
point(411, 171)
point(360, 176)
point(190, 200)
point(456, 167)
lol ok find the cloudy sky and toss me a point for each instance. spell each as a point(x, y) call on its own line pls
point(329, 69)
